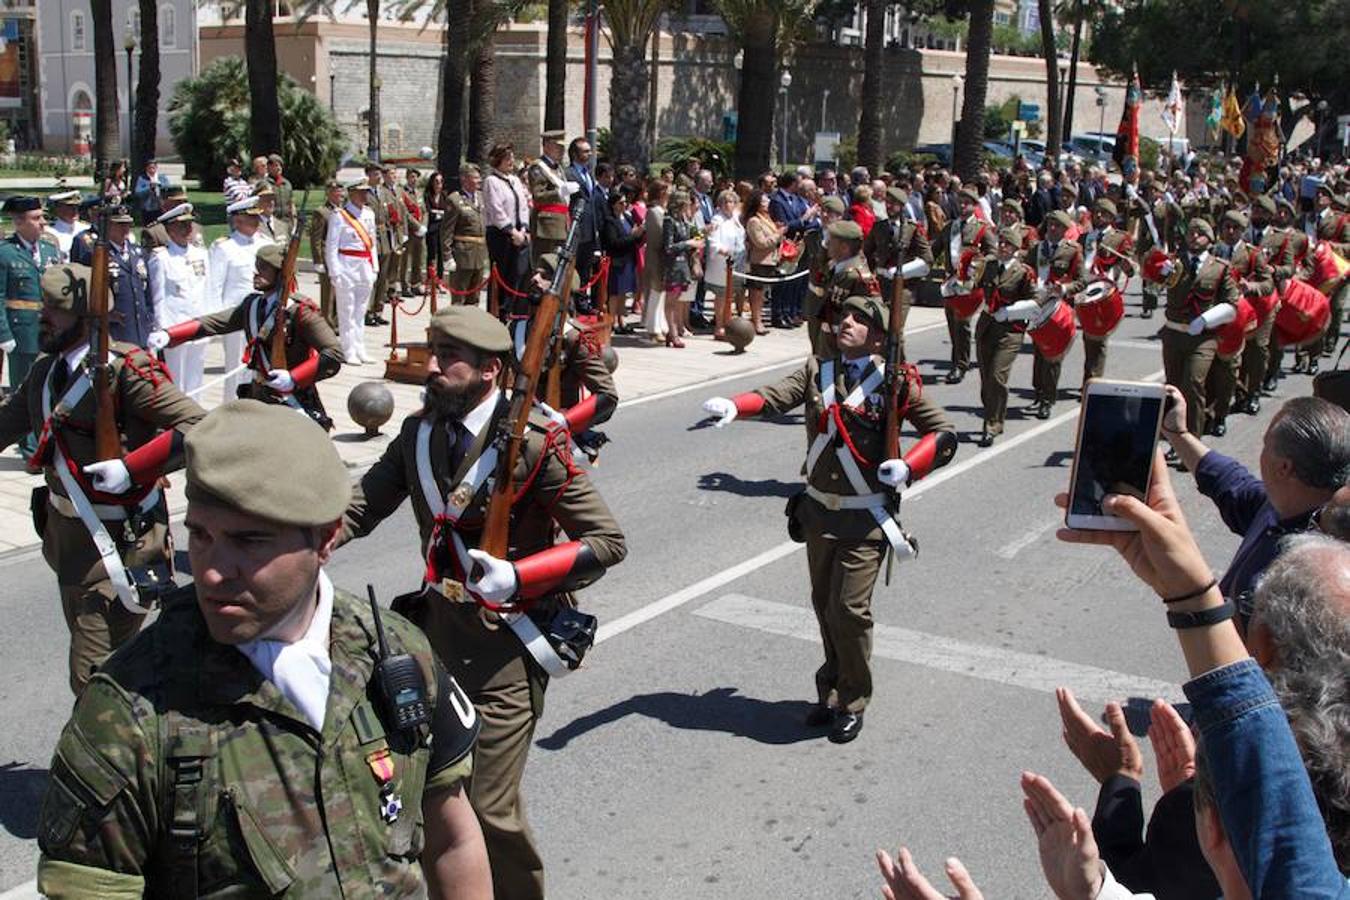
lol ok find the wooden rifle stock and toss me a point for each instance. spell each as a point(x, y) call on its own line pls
point(894, 377)
point(107, 440)
point(496, 536)
point(276, 353)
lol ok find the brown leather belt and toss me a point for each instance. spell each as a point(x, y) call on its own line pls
point(469, 239)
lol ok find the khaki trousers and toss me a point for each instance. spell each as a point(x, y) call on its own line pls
point(996, 348)
point(463, 280)
point(1094, 357)
point(413, 262)
point(327, 304)
point(1045, 378)
point(1256, 359)
point(959, 331)
point(842, 576)
point(1186, 363)
point(1220, 386)
point(380, 292)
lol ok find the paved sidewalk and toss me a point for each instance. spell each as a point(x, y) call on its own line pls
point(645, 369)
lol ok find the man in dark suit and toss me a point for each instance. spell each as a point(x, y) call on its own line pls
point(1043, 201)
point(789, 208)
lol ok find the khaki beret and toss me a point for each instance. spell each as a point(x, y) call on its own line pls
point(846, 230)
point(66, 287)
point(1060, 216)
point(969, 193)
point(1068, 188)
point(872, 308)
point(1340, 202)
point(1234, 217)
point(1265, 202)
point(1012, 203)
point(1202, 226)
point(1013, 234)
point(897, 194)
point(1324, 188)
point(834, 204)
point(273, 253)
point(1106, 205)
point(235, 453)
point(1286, 203)
point(472, 327)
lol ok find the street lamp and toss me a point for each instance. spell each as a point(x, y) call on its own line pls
point(1063, 99)
point(1320, 122)
point(784, 82)
point(957, 81)
point(824, 100)
point(1101, 121)
point(332, 93)
point(129, 45)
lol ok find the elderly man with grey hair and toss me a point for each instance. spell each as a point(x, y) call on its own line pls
point(1305, 459)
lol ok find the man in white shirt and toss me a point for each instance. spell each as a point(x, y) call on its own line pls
point(231, 260)
point(66, 224)
point(352, 261)
point(179, 275)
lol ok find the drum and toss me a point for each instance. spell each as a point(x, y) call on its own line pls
point(1099, 308)
point(1265, 305)
point(970, 272)
point(1303, 314)
point(966, 306)
point(1233, 336)
point(1053, 330)
point(1329, 268)
point(1153, 265)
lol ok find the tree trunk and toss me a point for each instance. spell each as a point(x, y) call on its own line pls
point(147, 89)
point(970, 130)
point(869, 116)
point(1048, 50)
point(454, 72)
point(107, 136)
point(759, 86)
point(260, 52)
point(482, 102)
point(1073, 69)
point(555, 67)
point(653, 87)
point(373, 121)
point(628, 105)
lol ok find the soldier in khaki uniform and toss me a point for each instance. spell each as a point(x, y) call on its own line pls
point(464, 237)
point(968, 232)
point(1333, 227)
point(1285, 248)
point(1058, 265)
point(1160, 224)
point(102, 605)
point(550, 192)
point(384, 239)
point(898, 247)
point(1189, 341)
point(318, 234)
point(413, 263)
point(1108, 254)
point(241, 746)
point(1013, 301)
point(432, 460)
point(1256, 281)
point(816, 258)
point(846, 275)
point(847, 513)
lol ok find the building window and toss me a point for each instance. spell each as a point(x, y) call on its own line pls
point(168, 27)
point(1002, 18)
point(77, 31)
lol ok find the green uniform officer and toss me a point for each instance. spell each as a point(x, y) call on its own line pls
point(898, 248)
point(104, 524)
point(433, 462)
point(1060, 273)
point(1107, 255)
point(243, 745)
point(1189, 340)
point(1159, 224)
point(1285, 248)
point(847, 513)
point(846, 275)
point(381, 202)
point(550, 193)
point(464, 237)
point(24, 255)
point(1012, 301)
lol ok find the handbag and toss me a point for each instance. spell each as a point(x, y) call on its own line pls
point(1333, 385)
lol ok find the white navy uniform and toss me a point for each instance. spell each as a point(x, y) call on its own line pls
point(65, 235)
point(351, 256)
point(178, 282)
point(232, 259)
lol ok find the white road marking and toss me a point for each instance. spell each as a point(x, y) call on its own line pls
point(1034, 534)
point(997, 664)
point(25, 891)
point(1155, 346)
point(773, 554)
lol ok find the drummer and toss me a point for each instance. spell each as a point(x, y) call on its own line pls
point(1107, 252)
point(1058, 263)
point(1011, 289)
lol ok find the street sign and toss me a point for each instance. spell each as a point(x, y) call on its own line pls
point(1019, 127)
point(1029, 112)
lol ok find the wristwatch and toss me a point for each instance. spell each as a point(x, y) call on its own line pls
point(1205, 617)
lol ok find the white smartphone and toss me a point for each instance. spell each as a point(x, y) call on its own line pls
point(1117, 432)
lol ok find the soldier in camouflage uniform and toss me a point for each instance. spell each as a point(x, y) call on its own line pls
point(241, 746)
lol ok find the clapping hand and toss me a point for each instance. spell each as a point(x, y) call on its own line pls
point(1101, 752)
point(904, 881)
point(1173, 745)
point(1069, 857)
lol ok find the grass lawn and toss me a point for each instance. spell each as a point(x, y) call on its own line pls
point(209, 207)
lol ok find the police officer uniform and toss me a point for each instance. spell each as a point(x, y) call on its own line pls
point(98, 593)
point(62, 231)
point(312, 349)
point(351, 258)
point(550, 192)
point(433, 461)
point(231, 264)
point(318, 234)
point(845, 515)
point(133, 316)
point(1061, 265)
point(1013, 301)
point(193, 768)
point(898, 248)
point(464, 239)
point(960, 235)
point(844, 278)
point(21, 267)
point(179, 283)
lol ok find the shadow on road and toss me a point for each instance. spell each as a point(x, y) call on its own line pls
point(21, 790)
point(721, 709)
point(732, 484)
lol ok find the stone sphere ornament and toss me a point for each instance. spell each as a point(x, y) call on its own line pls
point(740, 333)
point(370, 404)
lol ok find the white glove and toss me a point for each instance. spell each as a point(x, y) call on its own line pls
point(1021, 311)
point(8, 346)
point(492, 579)
point(915, 268)
point(280, 381)
point(556, 417)
point(110, 477)
point(1001, 314)
point(1213, 317)
point(722, 408)
point(157, 340)
point(949, 288)
point(1167, 268)
point(567, 189)
point(888, 274)
point(319, 269)
point(894, 473)
point(421, 231)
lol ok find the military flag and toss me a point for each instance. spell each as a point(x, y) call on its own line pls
point(1126, 151)
point(1232, 121)
point(1173, 108)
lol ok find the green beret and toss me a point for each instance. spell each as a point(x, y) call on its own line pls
point(1013, 234)
point(1012, 203)
point(472, 327)
point(1283, 201)
point(1106, 206)
point(1061, 217)
point(66, 287)
point(264, 460)
point(16, 205)
point(1234, 217)
point(969, 193)
point(834, 204)
point(872, 308)
point(897, 194)
point(846, 230)
point(1265, 202)
point(1202, 226)
point(273, 253)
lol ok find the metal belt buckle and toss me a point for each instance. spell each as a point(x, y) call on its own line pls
point(452, 590)
point(832, 502)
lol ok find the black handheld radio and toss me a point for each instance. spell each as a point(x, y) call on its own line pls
point(399, 680)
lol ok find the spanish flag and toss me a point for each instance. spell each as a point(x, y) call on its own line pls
point(1232, 121)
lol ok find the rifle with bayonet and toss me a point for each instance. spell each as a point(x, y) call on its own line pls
point(107, 440)
point(895, 380)
point(276, 354)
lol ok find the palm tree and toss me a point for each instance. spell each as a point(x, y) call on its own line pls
point(147, 88)
point(869, 111)
point(260, 52)
point(373, 121)
point(1073, 11)
point(107, 137)
point(970, 130)
point(1051, 54)
point(631, 23)
point(482, 102)
point(555, 66)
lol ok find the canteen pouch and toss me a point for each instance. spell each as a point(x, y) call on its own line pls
point(38, 507)
point(794, 527)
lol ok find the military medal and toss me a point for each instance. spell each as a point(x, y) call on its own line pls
point(381, 764)
point(461, 496)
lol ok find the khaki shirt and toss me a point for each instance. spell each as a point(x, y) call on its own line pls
point(318, 232)
point(976, 235)
point(550, 226)
point(843, 279)
point(1285, 250)
point(1062, 266)
point(463, 232)
point(1248, 263)
point(889, 245)
point(1211, 285)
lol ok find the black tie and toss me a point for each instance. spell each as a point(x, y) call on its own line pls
point(60, 377)
point(460, 441)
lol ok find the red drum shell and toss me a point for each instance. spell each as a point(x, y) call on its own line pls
point(1303, 314)
point(966, 306)
point(1053, 336)
point(1233, 336)
point(1101, 318)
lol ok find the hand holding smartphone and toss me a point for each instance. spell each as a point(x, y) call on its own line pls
point(1117, 433)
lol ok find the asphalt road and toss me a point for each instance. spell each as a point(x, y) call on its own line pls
point(674, 764)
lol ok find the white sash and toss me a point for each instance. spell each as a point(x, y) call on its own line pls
point(258, 311)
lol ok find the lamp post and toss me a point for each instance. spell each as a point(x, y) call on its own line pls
point(784, 82)
point(1319, 123)
point(129, 45)
point(332, 93)
point(957, 81)
point(824, 100)
point(1063, 100)
point(1101, 121)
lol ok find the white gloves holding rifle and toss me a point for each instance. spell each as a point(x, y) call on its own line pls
point(894, 473)
point(491, 579)
point(110, 476)
point(280, 381)
point(157, 340)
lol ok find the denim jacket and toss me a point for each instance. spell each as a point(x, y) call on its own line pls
point(1261, 786)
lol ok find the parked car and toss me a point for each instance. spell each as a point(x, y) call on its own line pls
point(1094, 146)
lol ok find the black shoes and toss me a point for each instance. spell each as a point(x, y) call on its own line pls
point(1218, 429)
point(1250, 406)
point(1146, 313)
point(819, 716)
point(847, 726)
point(1312, 365)
point(1043, 409)
point(955, 375)
point(986, 438)
point(1270, 384)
